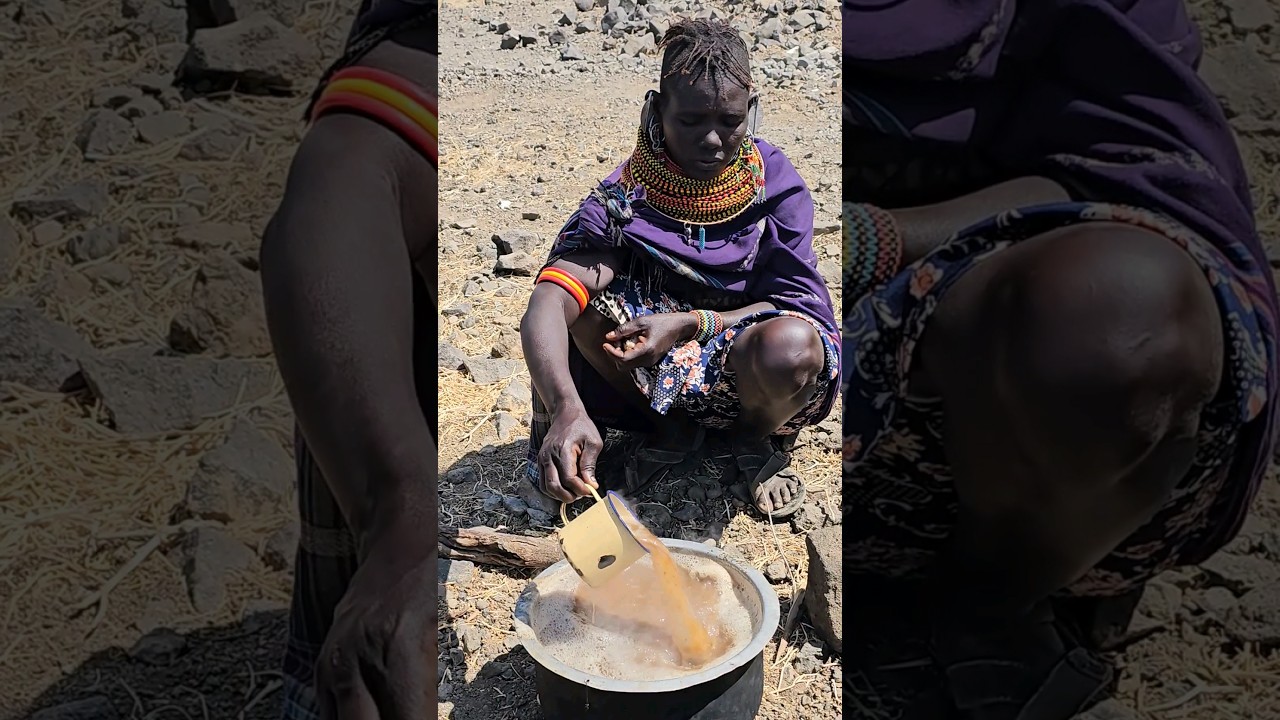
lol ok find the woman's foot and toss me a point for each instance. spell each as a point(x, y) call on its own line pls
point(1024, 669)
point(773, 489)
point(651, 457)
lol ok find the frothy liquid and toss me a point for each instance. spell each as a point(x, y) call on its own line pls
point(663, 617)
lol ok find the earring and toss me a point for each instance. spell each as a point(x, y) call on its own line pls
point(650, 123)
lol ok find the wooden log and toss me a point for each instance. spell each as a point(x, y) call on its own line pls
point(487, 546)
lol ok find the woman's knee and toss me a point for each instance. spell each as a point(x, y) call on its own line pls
point(1113, 337)
point(782, 356)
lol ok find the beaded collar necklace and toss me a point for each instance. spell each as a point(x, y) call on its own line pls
point(688, 200)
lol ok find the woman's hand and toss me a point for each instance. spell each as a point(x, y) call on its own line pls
point(379, 660)
point(568, 456)
point(643, 342)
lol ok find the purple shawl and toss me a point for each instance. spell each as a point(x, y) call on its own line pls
point(1101, 95)
point(765, 254)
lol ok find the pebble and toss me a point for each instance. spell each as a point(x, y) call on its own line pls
point(687, 513)
point(514, 505)
point(776, 571)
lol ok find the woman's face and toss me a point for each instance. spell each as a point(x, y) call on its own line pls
point(703, 124)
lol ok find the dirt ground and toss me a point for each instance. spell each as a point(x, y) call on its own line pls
point(535, 128)
point(134, 585)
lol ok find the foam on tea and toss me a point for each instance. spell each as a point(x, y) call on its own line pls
point(632, 629)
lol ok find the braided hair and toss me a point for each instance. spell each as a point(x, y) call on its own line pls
point(713, 47)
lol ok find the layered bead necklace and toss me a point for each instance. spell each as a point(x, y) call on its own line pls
point(688, 200)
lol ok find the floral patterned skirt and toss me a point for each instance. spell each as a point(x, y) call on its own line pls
point(899, 499)
point(694, 378)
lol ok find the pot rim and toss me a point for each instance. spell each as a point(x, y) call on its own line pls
point(769, 619)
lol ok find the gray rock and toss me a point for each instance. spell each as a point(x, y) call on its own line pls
point(64, 285)
point(1243, 79)
point(1251, 15)
point(508, 345)
point(687, 512)
point(248, 476)
point(461, 475)
point(492, 503)
point(776, 572)
point(281, 548)
point(1240, 573)
point(539, 518)
point(584, 5)
point(145, 393)
point(114, 96)
point(94, 707)
point(697, 494)
point(226, 315)
point(518, 263)
point(468, 637)
point(450, 357)
point(210, 556)
point(47, 233)
point(10, 248)
point(1160, 603)
point(104, 133)
point(211, 235)
point(454, 571)
point(514, 505)
point(37, 352)
point(808, 658)
point(162, 127)
point(141, 107)
point(77, 201)
point(153, 83)
point(1218, 602)
point(637, 45)
point(567, 16)
point(516, 240)
point(515, 398)
point(461, 309)
point(159, 647)
point(506, 425)
point(257, 54)
point(510, 41)
point(654, 515)
point(96, 243)
point(1256, 618)
point(214, 138)
point(156, 21)
point(823, 598)
point(486, 371)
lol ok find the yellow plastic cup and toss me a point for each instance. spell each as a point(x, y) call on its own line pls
point(598, 544)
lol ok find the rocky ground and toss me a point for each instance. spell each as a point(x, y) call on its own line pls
point(146, 510)
point(544, 101)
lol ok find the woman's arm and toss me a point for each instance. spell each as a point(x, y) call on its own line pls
point(544, 329)
point(336, 264)
point(925, 228)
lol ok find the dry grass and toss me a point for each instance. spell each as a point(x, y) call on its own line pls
point(81, 504)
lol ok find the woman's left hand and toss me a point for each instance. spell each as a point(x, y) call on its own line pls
point(643, 342)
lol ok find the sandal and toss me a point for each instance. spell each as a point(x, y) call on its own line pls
point(760, 467)
point(647, 465)
point(991, 688)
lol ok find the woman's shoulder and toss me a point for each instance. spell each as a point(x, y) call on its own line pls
point(777, 166)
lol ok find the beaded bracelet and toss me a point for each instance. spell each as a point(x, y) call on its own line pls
point(872, 249)
point(568, 283)
point(710, 324)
